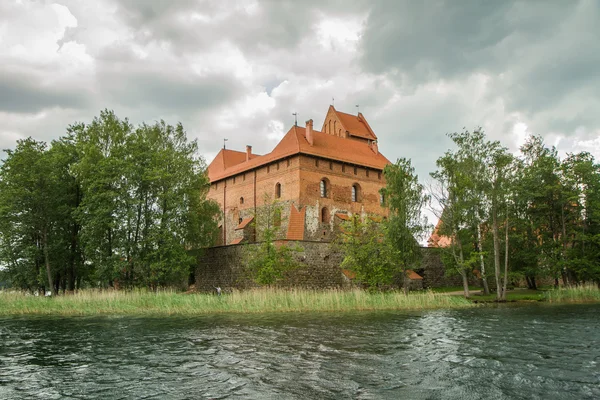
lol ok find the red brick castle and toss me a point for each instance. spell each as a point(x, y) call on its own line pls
point(319, 178)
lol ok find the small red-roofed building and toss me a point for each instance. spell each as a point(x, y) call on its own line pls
point(319, 178)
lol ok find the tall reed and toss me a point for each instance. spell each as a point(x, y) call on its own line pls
point(264, 300)
point(576, 294)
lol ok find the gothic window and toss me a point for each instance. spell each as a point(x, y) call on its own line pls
point(381, 198)
point(288, 162)
point(379, 175)
point(241, 200)
point(355, 171)
point(324, 187)
point(316, 162)
point(324, 215)
point(330, 165)
point(367, 173)
point(343, 167)
point(278, 190)
point(355, 193)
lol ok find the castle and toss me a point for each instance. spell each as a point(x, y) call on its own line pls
point(318, 179)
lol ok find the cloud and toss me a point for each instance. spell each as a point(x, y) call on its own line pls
point(239, 69)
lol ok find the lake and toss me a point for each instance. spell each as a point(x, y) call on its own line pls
point(510, 352)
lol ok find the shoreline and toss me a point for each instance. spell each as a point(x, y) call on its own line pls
point(260, 301)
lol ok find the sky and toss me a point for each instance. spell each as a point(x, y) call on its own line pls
point(239, 69)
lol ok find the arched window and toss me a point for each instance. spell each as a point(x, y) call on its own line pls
point(334, 127)
point(324, 215)
point(324, 187)
point(241, 200)
point(278, 190)
point(381, 198)
point(355, 192)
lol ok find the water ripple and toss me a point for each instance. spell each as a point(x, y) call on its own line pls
point(532, 352)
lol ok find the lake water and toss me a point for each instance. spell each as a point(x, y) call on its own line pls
point(528, 352)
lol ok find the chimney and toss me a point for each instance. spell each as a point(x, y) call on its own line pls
point(248, 152)
point(309, 131)
point(374, 147)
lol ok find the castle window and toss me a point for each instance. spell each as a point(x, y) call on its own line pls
point(288, 162)
point(241, 200)
point(324, 187)
point(381, 198)
point(268, 169)
point(244, 177)
point(334, 127)
point(240, 219)
point(355, 171)
point(330, 165)
point(234, 179)
point(316, 162)
point(278, 190)
point(379, 175)
point(277, 166)
point(343, 167)
point(324, 215)
point(367, 173)
point(355, 193)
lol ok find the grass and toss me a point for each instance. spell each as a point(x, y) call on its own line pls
point(578, 294)
point(513, 295)
point(145, 303)
point(448, 289)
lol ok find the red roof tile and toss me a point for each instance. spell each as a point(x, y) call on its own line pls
point(343, 216)
point(349, 274)
point(294, 142)
point(237, 241)
point(413, 275)
point(244, 223)
point(356, 125)
point(296, 224)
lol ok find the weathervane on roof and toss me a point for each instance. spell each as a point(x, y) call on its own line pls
point(224, 140)
point(295, 118)
point(357, 109)
point(333, 101)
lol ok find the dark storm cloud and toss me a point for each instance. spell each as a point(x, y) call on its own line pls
point(272, 24)
point(168, 92)
point(26, 94)
point(539, 54)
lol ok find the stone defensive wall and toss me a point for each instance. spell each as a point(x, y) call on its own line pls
point(319, 268)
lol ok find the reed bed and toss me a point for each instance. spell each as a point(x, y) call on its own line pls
point(577, 294)
point(265, 300)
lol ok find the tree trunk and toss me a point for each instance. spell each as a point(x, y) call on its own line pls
point(496, 250)
point(459, 259)
point(505, 283)
point(486, 289)
point(47, 259)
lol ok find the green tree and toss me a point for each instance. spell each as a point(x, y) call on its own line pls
point(405, 198)
point(368, 252)
point(269, 260)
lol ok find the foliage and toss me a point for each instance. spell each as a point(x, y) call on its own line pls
point(107, 204)
point(270, 260)
point(406, 198)
point(368, 252)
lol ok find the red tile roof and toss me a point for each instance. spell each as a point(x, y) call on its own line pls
point(228, 158)
point(413, 275)
point(349, 274)
point(356, 125)
point(437, 240)
point(294, 142)
point(343, 216)
point(244, 223)
point(296, 224)
point(237, 241)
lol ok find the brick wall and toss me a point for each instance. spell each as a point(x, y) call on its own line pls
point(225, 267)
